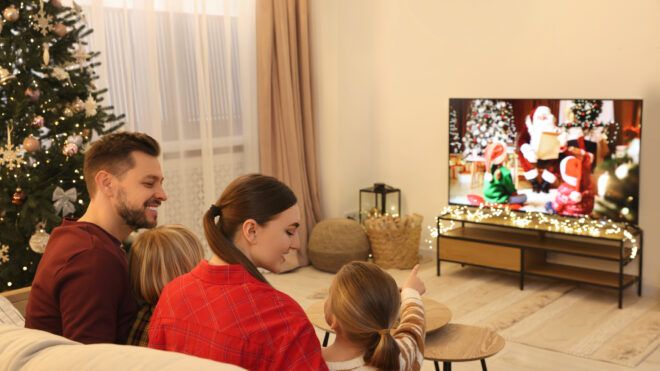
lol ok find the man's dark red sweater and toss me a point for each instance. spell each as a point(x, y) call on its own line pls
point(81, 289)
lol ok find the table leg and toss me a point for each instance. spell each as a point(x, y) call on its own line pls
point(483, 365)
point(437, 368)
point(325, 339)
point(446, 366)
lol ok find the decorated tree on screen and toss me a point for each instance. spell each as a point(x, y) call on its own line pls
point(49, 110)
point(454, 134)
point(488, 121)
point(584, 115)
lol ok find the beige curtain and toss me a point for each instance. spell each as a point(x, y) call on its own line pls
point(287, 135)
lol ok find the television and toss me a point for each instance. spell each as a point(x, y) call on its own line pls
point(571, 157)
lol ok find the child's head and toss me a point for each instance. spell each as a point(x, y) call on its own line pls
point(495, 154)
point(159, 255)
point(364, 303)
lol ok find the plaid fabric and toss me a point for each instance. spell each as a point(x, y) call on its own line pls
point(225, 314)
point(139, 334)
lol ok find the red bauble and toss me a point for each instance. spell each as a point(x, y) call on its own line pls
point(486, 115)
point(474, 113)
point(474, 140)
point(31, 144)
point(38, 122)
point(56, 3)
point(33, 94)
point(59, 29)
point(70, 149)
point(19, 197)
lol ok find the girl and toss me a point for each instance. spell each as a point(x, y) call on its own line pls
point(362, 308)
point(224, 309)
point(157, 256)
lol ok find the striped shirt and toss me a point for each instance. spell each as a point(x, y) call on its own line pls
point(409, 336)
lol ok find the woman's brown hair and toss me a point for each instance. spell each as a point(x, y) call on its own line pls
point(159, 255)
point(252, 196)
point(366, 300)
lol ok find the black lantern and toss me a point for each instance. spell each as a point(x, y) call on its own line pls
point(379, 200)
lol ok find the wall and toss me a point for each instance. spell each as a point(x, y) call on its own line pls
point(385, 69)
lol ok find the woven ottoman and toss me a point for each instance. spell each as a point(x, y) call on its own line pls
point(335, 242)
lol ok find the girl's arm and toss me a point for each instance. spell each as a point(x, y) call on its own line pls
point(411, 331)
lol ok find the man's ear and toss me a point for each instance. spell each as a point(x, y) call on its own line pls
point(249, 230)
point(105, 183)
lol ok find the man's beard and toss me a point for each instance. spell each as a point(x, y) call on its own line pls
point(134, 218)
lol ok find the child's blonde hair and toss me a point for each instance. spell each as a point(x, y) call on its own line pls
point(159, 255)
point(365, 300)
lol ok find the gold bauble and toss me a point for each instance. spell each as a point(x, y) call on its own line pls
point(38, 122)
point(78, 105)
point(70, 149)
point(10, 13)
point(31, 144)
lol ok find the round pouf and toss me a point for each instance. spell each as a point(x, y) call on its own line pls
point(335, 242)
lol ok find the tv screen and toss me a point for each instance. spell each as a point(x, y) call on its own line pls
point(572, 157)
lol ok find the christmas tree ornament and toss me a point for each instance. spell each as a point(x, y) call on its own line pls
point(38, 122)
point(59, 29)
point(60, 73)
point(67, 112)
point(75, 139)
point(33, 94)
point(78, 105)
point(70, 149)
point(5, 75)
point(42, 21)
point(86, 133)
point(31, 144)
point(63, 201)
point(56, 3)
point(11, 156)
point(90, 106)
point(39, 239)
point(4, 254)
point(19, 197)
point(46, 55)
point(80, 55)
point(10, 13)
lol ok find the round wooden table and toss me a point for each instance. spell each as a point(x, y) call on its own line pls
point(460, 343)
point(437, 315)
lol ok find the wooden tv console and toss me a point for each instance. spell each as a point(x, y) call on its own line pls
point(524, 250)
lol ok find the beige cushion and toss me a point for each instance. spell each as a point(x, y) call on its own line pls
point(26, 349)
point(9, 314)
point(335, 242)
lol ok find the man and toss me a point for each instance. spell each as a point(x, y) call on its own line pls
point(81, 288)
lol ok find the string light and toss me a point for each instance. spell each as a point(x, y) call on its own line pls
point(606, 229)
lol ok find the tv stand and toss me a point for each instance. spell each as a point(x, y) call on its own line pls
point(496, 244)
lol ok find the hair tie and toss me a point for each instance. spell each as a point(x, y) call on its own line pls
point(385, 331)
point(216, 211)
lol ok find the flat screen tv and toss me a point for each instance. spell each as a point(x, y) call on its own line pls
point(572, 157)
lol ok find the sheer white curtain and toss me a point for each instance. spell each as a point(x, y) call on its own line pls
point(185, 73)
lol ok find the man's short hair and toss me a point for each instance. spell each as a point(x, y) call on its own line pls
point(113, 153)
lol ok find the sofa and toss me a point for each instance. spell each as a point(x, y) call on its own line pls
point(27, 349)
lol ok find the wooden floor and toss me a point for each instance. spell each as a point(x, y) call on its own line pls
point(308, 285)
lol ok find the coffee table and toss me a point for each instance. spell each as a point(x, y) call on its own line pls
point(460, 343)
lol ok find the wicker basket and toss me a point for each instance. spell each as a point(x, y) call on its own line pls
point(395, 242)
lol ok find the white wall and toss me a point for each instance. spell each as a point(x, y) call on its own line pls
point(385, 69)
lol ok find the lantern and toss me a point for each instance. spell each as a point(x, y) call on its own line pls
point(379, 200)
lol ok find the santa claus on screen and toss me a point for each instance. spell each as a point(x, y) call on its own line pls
point(539, 121)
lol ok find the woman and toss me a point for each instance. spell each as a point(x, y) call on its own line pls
point(224, 309)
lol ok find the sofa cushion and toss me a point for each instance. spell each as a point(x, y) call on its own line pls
point(27, 349)
point(9, 314)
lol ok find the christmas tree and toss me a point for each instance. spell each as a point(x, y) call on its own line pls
point(454, 135)
point(618, 186)
point(488, 122)
point(584, 115)
point(49, 110)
